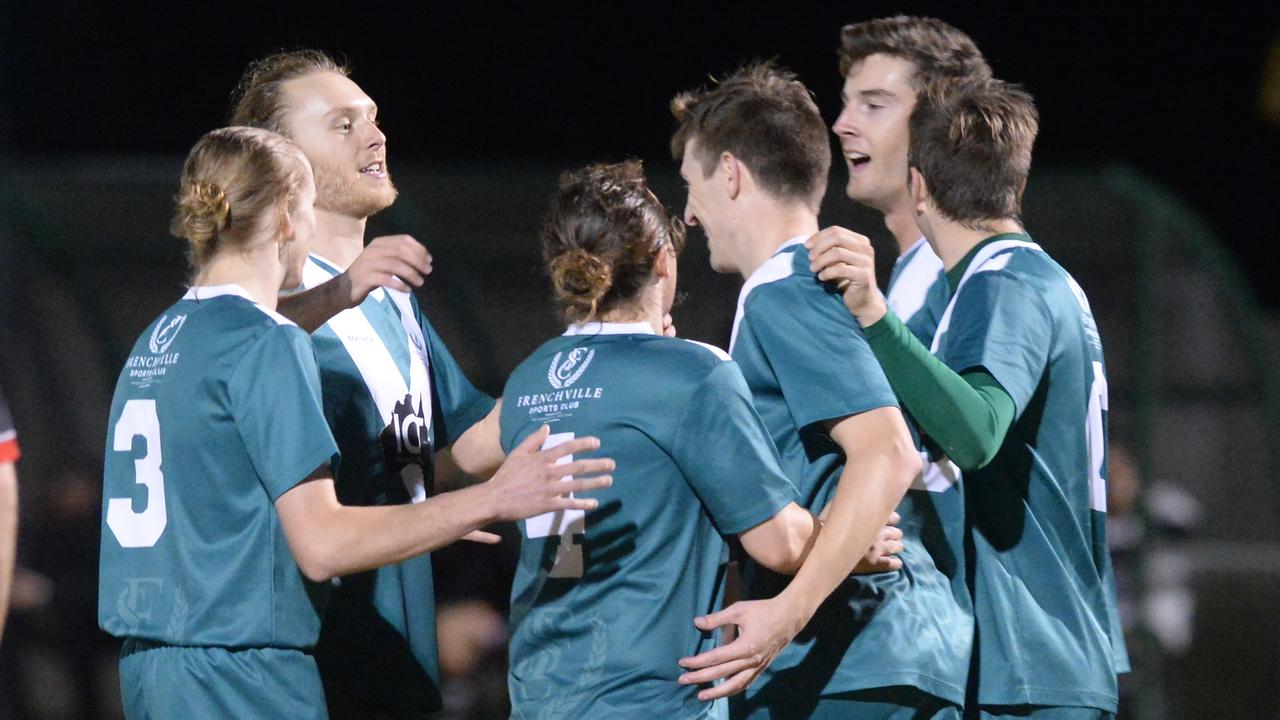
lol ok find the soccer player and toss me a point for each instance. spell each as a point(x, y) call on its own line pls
point(754, 153)
point(9, 454)
point(218, 499)
point(393, 394)
point(886, 63)
point(601, 606)
point(1016, 396)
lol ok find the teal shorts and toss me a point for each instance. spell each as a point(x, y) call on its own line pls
point(889, 703)
point(158, 682)
point(1038, 712)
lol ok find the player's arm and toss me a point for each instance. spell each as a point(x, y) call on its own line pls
point(968, 414)
point(8, 535)
point(478, 451)
point(782, 542)
point(396, 261)
point(882, 461)
point(329, 539)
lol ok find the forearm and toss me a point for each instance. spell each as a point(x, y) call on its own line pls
point(868, 491)
point(966, 415)
point(478, 452)
point(8, 536)
point(312, 308)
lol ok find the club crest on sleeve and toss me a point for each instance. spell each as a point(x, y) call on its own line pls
point(564, 374)
point(166, 330)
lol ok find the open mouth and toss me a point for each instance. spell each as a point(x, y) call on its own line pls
point(857, 159)
point(373, 169)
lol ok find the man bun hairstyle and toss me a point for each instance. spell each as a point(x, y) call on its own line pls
point(258, 98)
point(233, 180)
point(766, 118)
point(937, 50)
point(971, 139)
point(602, 236)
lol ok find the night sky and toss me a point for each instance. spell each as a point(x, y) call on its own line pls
point(1173, 92)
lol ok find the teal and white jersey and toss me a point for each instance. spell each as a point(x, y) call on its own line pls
point(918, 291)
point(807, 361)
point(392, 394)
point(1041, 573)
point(216, 414)
point(603, 602)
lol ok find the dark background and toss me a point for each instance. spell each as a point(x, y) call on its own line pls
point(1170, 89)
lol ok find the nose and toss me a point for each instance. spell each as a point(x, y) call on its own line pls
point(845, 126)
point(689, 218)
point(375, 137)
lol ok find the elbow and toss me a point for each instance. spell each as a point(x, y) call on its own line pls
point(314, 567)
point(973, 456)
point(787, 553)
point(907, 465)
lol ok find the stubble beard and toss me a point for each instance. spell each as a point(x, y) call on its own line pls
point(343, 194)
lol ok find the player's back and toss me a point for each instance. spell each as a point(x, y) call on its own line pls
point(192, 550)
point(603, 605)
point(1041, 570)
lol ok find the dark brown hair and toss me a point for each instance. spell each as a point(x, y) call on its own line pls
point(972, 141)
point(232, 180)
point(937, 50)
point(767, 118)
point(602, 236)
point(258, 97)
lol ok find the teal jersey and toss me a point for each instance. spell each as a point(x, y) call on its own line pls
point(918, 291)
point(216, 415)
point(603, 602)
point(807, 361)
point(1040, 569)
point(392, 394)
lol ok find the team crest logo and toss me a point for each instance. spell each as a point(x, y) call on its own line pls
point(162, 337)
point(564, 374)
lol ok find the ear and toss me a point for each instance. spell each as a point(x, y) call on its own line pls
point(285, 226)
point(733, 174)
point(665, 264)
point(919, 190)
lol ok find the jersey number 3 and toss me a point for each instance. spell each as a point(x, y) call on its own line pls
point(139, 529)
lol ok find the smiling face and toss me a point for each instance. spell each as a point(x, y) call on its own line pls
point(873, 129)
point(706, 206)
point(335, 124)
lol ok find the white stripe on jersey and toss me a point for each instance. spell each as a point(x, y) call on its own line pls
point(208, 292)
point(774, 269)
point(917, 275)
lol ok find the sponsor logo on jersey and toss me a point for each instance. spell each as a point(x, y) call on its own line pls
point(137, 600)
point(564, 374)
point(406, 443)
point(166, 330)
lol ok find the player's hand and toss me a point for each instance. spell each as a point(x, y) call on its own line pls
point(883, 554)
point(530, 480)
point(847, 259)
point(764, 628)
point(394, 261)
point(668, 326)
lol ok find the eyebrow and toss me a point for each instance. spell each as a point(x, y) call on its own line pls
point(353, 109)
point(876, 94)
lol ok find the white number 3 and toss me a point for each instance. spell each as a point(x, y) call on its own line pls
point(134, 529)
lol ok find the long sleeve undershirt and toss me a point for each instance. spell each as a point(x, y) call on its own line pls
point(967, 414)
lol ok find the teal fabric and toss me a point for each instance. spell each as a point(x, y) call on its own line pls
point(603, 607)
point(888, 703)
point(216, 414)
point(164, 682)
point(378, 645)
point(806, 361)
point(1040, 568)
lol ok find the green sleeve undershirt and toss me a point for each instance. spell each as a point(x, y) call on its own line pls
point(967, 414)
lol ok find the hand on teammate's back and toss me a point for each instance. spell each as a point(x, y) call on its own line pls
point(394, 261)
point(882, 556)
point(530, 481)
point(764, 628)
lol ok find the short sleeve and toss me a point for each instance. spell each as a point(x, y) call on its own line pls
point(9, 451)
point(722, 447)
point(275, 401)
point(458, 404)
point(824, 366)
point(1000, 325)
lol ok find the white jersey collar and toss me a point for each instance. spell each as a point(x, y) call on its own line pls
point(208, 292)
point(610, 328)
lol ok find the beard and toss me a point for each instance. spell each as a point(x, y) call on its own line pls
point(346, 193)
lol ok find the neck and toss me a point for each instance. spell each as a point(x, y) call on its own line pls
point(338, 238)
point(901, 221)
point(952, 241)
point(647, 309)
point(767, 229)
point(257, 271)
